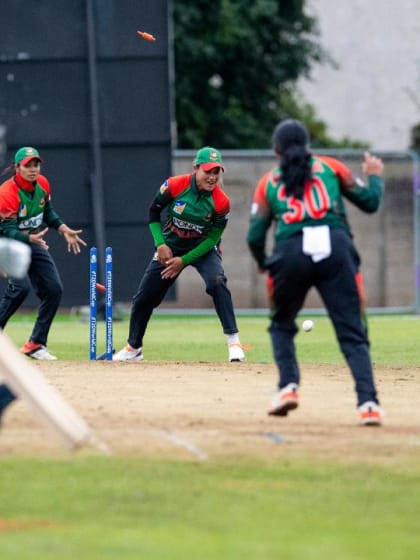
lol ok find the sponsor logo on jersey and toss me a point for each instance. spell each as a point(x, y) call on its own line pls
point(179, 206)
point(32, 223)
point(184, 226)
point(23, 211)
point(42, 203)
point(164, 187)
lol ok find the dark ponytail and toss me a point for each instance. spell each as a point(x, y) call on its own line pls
point(291, 140)
point(9, 169)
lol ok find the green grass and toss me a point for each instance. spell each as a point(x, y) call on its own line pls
point(190, 338)
point(89, 507)
point(110, 508)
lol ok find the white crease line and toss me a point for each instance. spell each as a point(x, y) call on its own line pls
point(183, 443)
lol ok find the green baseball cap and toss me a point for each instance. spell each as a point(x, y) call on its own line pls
point(208, 158)
point(24, 155)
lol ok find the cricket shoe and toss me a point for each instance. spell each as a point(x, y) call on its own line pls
point(236, 352)
point(36, 351)
point(128, 354)
point(283, 401)
point(371, 414)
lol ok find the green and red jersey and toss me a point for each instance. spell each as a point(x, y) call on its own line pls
point(322, 201)
point(25, 206)
point(195, 219)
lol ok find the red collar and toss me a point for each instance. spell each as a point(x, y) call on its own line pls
point(23, 184)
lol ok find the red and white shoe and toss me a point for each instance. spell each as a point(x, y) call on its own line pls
point(36, 351)
point(371, 414)
point(128, 354)
point(283, 401)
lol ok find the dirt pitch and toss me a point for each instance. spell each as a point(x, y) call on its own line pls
point(204, 411)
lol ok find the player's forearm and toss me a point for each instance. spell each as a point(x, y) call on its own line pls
point(9, 228)
point(367, 198)
point(204, 247)
point(156, 231)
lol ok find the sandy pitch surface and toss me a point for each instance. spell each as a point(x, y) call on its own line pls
point(204, 411)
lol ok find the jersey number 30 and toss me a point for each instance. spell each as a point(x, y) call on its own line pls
point(315, 203)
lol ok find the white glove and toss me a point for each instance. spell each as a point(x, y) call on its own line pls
point(15, 258)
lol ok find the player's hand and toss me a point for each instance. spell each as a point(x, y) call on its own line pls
point(38, 239)
point(164, 253)
point(172, 268)
point(372, 165)
point(73, 240)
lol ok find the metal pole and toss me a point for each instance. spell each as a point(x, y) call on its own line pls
point(96, 182)
point(416, 226)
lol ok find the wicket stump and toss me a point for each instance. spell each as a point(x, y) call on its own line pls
point(93, 304)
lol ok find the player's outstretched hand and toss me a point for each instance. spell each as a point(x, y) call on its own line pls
point(38, 239)
point(372, 165)
point(72, 237)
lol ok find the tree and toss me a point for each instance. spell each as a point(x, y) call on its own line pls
point(236, 66)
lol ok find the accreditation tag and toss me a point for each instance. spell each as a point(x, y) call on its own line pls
point(317, 242)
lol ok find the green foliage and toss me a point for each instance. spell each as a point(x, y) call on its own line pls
point(236, 68)
point(232, 61)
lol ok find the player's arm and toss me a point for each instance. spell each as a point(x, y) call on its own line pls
point(260, 220)
point(366, 197)
point(50, 216)
point(212, 239)
point(9, 228)
point(160, 201)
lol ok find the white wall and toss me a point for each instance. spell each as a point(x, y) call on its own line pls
point(374, 95)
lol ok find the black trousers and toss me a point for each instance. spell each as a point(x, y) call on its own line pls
point(291, 275)
point(6, 397)
point(153, 288)
point(44, 278)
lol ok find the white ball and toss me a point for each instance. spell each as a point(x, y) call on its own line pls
point(307, 325)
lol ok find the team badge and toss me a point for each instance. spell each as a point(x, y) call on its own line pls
point(179, 206)
point(23, 211)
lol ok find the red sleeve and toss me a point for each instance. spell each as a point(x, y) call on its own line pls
point(9, 199)
point(178, 184)
point(221, 201)
point(45, 184)
point(344, 174)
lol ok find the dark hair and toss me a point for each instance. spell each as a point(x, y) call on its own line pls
point(9, 169)
point(291, 139)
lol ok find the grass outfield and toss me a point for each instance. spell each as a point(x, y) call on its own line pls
point(395, 339)
point(92, 507)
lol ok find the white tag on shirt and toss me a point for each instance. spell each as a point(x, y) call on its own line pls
point(317, 242)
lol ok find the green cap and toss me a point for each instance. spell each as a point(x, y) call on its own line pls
point(208, 158)
point(24, 155)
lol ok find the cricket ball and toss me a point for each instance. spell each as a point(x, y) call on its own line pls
point(307, 325)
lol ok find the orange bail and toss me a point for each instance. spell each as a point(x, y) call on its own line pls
point(146, 36)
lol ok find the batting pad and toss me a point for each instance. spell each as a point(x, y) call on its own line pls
point(27, 382)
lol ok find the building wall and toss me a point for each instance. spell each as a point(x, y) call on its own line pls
point(374, 94)
point(385, 240)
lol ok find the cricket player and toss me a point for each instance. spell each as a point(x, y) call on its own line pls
point(15, 258)
point(303, 196)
